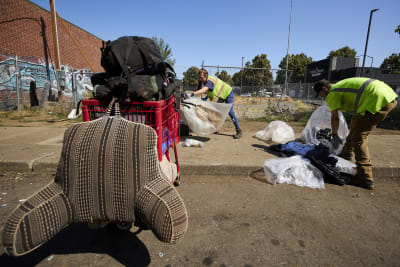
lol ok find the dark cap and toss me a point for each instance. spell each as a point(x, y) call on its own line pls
point(318, 86)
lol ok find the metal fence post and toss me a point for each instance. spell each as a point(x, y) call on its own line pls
point(74, 90)
point(17, 82)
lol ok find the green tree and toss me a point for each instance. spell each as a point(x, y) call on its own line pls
point(223, 75)
point(391, 64)
point(164, 49)
point(296, 68)
point(190, 77)
point(254, 77)
point(343, 52)
point(397, 30)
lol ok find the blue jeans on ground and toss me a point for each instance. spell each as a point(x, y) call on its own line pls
point(232, 114)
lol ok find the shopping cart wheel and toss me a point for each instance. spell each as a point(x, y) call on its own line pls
point(177, 181)
point(123, 226)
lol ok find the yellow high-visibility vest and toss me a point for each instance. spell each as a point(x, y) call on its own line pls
point(359, 95)
point(221, 88)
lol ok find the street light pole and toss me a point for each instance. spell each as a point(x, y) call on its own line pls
point(366, 42)
point(241, 78)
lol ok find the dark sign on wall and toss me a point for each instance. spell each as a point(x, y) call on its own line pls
point(317, 70)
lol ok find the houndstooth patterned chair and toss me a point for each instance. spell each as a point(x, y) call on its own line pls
point(108, 171)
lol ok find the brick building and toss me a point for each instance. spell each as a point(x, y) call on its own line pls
point(336, 68)
point(21, 25)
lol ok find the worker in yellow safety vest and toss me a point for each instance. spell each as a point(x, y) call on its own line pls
point(220, 91)
point(370, 101)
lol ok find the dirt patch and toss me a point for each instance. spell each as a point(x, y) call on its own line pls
point(261, 100)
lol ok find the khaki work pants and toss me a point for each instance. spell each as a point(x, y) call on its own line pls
point(357, 140)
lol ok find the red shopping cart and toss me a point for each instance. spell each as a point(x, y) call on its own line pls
point(160, 115)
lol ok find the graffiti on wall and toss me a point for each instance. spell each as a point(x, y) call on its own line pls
point(26, 71)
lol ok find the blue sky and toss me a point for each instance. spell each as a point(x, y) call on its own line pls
point(220, 32)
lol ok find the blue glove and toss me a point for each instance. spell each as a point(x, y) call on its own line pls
point(336, 141)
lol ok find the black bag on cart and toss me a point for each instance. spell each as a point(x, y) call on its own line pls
point(137, 63)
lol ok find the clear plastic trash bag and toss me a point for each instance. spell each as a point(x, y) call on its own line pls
point(293, 170)
point(204, 117)
point(321, 119)
point(277, 131)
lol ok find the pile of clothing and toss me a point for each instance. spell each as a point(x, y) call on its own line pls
point(308, 165)
point(314, 161)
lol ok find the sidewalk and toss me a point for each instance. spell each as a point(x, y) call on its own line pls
point(24, 148)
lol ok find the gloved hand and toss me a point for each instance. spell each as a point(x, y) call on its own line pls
point(336, 141)
point(186, 95)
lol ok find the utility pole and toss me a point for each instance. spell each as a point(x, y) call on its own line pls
point(56, 47)
point(241, 78)
point(287, 52)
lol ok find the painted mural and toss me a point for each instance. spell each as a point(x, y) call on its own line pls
point(29, 71)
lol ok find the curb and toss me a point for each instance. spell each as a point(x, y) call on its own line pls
point(186, 170)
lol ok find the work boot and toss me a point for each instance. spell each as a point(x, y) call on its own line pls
point(363, 183)
point(238, 134)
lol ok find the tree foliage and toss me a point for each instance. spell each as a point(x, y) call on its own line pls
point(190, 77)
point(296, 68)
point(165, 50)
point(223, 75)
point(250, 77)
point(343, 52)
point(397, 30)
point(391, 64)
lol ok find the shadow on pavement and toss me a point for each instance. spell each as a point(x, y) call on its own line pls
point(269, 149)
point(123, 246)
point(198, 138)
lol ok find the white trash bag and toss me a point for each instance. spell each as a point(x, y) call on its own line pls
point(321, 119)
point(293, 170)
point(204, 117)
point(277, 131)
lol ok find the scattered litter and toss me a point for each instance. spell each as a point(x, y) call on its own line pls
point(161, 254)
point(30, 183)
point(74, 115)
point(4, 194)
point(19, 178)
point(50, 257)
point(22, 200)
point(372, 194)
point(3, 205)
point(192, 142)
